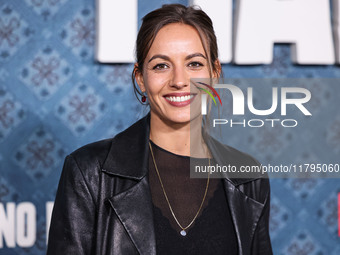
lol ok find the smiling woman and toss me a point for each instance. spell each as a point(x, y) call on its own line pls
point(133, 194)
point(176, 55)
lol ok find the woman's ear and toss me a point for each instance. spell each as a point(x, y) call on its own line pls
point(139, 78)
point(217, 69)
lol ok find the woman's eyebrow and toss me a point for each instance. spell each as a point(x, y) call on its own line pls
point(159, 56)
point(168, 59)
point(195, 55)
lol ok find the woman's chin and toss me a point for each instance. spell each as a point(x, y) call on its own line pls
point(185, 119)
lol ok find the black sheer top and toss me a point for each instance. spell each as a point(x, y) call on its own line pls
point(212, 232)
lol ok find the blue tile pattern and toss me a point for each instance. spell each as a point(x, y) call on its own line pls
point(55, 98)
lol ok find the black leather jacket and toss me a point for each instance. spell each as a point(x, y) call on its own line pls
point(103, 204)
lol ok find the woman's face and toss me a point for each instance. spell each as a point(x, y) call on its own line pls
point(176, 55)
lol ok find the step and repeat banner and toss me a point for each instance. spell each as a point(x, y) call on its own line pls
point(65, 81)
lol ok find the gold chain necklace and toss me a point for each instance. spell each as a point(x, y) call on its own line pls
point(183, 232)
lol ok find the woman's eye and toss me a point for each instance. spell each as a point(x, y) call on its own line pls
point(195, 64)
point(160, 67)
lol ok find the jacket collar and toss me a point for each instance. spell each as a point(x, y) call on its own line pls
point(128, 158)
point(128, 155)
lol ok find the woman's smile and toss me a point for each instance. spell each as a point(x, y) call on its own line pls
point(179, 99)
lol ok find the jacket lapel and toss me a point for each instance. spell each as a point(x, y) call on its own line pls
point(134, 209)
point(245, 213)
point(128, 158)
point(138, 219)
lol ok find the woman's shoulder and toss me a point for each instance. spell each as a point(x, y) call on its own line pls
point(240, 156)
point(108, 153)
point(246, 172)
point(95, 152)
point(229, 155)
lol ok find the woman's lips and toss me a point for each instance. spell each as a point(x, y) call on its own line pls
point(179, 99)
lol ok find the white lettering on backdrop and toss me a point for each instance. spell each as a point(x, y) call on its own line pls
point(18, 224)
point(223, 24)
point(116, 30)
point(306, 24)
point(336, 29)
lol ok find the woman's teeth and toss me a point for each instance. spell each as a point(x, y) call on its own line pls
point(179, 99)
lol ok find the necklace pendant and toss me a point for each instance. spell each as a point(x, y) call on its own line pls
point(183, 232)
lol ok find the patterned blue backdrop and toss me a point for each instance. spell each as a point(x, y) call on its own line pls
point(54, 98)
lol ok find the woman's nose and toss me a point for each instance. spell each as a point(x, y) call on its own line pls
point(180, 78)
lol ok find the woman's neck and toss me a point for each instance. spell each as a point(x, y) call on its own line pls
point(179, 138)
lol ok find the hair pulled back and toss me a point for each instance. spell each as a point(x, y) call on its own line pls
point(168, 14)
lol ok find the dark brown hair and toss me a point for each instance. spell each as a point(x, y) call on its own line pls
point(174, 13)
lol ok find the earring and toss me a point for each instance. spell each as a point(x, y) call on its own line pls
point(143, 98)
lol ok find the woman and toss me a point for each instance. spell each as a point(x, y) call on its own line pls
point(133, 194)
